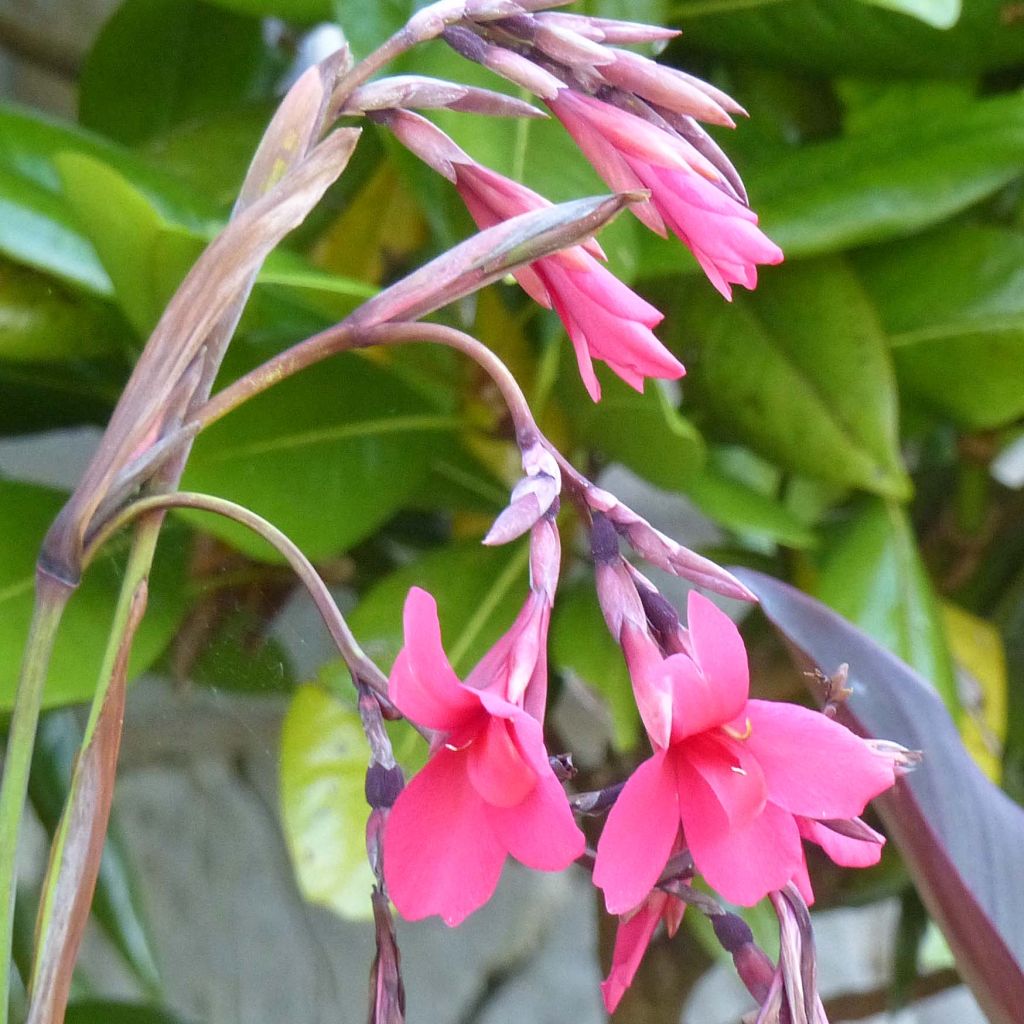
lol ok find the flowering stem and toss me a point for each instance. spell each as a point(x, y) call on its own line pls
point(52, 596)
point(345, 337)
point(362, 668)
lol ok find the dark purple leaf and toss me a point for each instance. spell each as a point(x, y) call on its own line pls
point(961, 837)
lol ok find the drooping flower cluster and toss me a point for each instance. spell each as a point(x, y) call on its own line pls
point(733, 785)
point(636, 122)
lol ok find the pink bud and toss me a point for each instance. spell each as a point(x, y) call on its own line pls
point(609, 30)
point(532, 497)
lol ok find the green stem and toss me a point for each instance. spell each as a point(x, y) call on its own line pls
point(362, 668)
point(52, 596)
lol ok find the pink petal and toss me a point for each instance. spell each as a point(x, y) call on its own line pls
point(719, 653)
point(496, 768)
point(730, 772)
point(638, 836)
point(423, 685)
point(441, 855)
point(631, 940)
point(742, 863)
point(540, 832)
point(814, 766)
point(652, 688)
point(844, 850)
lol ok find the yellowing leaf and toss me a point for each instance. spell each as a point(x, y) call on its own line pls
point(978, 651)
point(323, 767)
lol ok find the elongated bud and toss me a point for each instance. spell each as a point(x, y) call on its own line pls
point(420, 92)
point(753, 965)
point(853, 828)
point(608, 30)
point(532, 497)
point(490, 255)
point(664, 86)
point(660, 550)
point(506, 63)
point(387, 993)
point(567, 47)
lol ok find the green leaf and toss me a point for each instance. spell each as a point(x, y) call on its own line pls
point(324, 755)
point(800, 371)
point(883, 183)
point(952, 302)
point(44, 396)
point(937, 13)
point(301, 11)
point(102, 1011)
point(144, 257)
point(41, 321)
point(158, 63)
point(326, 456)
point(850, 37)
point(738, 505)
point(872, 574)
point(26, 512)
point(147, 255)
point(366, 26)
point(37, 229)
point(644, 432)
point(478, 591)
point(582, 645)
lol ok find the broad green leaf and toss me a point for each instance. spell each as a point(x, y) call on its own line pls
point(38, 230)
point(872, 574)
point(952, 302)
point(644, 432)
point(42, 321)
point(739, 506)
point(800, 371)
point(327, 456)
point(851, 37)
point(100, 1011)
point(366, 26)
point(30, 142)
point(237, 656)
point(147, 255)
point(158, 63)
point(478, 591)
point(882, 184)
point(324, 756)
point(44, 396)
point(302, 11)
point(582, 645)
point(144, 257)
point(937, 13)
point(26, 512)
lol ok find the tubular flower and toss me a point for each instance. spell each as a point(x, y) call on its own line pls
point(635, 931)
point(604, 319)
point(486, 792)
point(689, 195)
point(742, 778)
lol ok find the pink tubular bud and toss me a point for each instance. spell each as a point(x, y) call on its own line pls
point(532, 497)
point(662, 85)
point(425, 140)
point(420, 92)
point(569, 48)
point(609, 30)
point(506, 63)
point(660, 550)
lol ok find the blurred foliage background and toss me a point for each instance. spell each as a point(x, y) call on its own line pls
point(854, 426)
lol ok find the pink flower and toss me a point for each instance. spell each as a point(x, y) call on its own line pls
point(630, 153)
point(632, 938)
point(487, 791)
point(744, 779)
point(605, 319)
